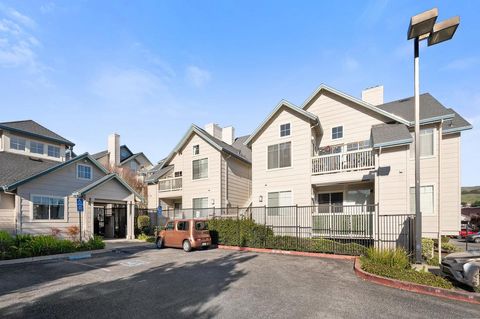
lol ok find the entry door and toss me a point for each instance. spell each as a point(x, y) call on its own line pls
point(99, 221)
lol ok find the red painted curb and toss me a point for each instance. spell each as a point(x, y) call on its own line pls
point(412, 287)
point(287, 252)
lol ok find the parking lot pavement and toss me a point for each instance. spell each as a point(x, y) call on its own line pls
point(168, 283)
point(460, 243)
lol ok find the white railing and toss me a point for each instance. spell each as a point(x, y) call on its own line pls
point(170, 184)
point(342, 162)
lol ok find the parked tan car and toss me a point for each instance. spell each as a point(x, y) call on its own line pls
point(184, 233)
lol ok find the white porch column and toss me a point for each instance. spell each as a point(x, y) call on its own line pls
point(130, 221)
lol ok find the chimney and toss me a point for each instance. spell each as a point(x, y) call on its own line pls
point(373, 95)
point(114, 149)
point(228, 135)
point(214, 130)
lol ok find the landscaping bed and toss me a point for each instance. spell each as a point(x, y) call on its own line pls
point(23, 246)
point(247, 233)
point(395, 264)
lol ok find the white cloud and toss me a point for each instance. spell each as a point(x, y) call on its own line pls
point(47, 7)
point(350, 64)
point(197, 77)
point(462, 64)
point(17, 44)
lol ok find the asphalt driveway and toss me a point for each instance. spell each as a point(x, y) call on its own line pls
point(150, 283)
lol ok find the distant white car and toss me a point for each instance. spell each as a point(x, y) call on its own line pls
point(463, 267)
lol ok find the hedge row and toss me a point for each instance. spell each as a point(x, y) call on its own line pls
point(22, 246)
point(246, 233)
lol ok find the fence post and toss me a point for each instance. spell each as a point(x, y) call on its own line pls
point(265, 225)
point(296, 223)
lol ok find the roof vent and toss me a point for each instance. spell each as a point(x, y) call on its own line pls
point(35, 159)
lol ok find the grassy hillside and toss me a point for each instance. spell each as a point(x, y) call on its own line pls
point(470, 194)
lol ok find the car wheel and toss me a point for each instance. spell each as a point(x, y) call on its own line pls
point(159, 243)
point(187, 246)
point(477, 240)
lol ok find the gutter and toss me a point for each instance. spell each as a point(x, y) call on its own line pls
point(393, 143)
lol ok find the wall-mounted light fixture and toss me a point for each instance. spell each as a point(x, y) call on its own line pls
point(213, 202)
point(260, 198)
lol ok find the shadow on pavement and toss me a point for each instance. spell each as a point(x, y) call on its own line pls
point(168, 291)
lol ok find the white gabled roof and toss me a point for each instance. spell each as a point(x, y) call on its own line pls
point(353, 99)
point(288, 105)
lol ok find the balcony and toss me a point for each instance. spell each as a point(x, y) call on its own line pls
point(343, 162)
point(170, 184)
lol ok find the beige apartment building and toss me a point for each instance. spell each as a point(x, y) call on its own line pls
point(340, 151)
point(208, 168)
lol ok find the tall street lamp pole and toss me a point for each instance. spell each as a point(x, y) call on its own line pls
point(423, 26)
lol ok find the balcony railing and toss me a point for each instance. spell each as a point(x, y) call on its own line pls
point(343, 162)
point(170, 184)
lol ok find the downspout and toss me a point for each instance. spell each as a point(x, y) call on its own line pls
point(226, 181)
point(440, 137)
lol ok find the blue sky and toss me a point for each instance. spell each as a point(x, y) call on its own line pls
point(148, 69)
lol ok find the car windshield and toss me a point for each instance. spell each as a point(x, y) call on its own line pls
point(201, 225)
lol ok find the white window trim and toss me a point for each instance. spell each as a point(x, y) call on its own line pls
point(81, 178)
point(193, 198)
point(343, 133)
point(280, 130)
point(279, 168)
point(65, 210)
point(30, 147)
point(435, 200)
point(412, 157)
point(14, 149)
point(208, 170)
point(278, 190)
point(59, 151)
point(193, 150)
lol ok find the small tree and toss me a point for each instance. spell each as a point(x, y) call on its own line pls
point(132, 179)
point(476, 203)
point(143, 223)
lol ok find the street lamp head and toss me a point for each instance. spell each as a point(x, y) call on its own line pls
point(422, 23)
point(443, 31)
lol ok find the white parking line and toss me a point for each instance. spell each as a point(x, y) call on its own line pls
point(91, 266)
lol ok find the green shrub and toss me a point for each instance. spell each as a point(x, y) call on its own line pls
point(143, 223)
point(393, 258)
point(410, 275)
point(96, 242)
point(427, 248)
point(449, 247)
point(445, 239)
point(147, 238)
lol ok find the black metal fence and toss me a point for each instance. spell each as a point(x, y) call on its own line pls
point(342, 229)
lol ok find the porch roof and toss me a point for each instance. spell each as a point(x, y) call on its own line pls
point(388, 135)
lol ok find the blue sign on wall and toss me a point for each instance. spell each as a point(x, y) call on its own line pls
point(159, 210)
point(79, 205)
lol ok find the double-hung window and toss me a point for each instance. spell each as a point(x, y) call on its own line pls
point(337, 132)
point(53, 151)
point(279, 203)
point(48, 208)
point(426, 143)
point(200, 168)
point(36, 147)
point(426, 200)
point(279, 155)
point(285, 130)
point(355, 146)
point(196, 149)
point(84, 171)
point(17, 143)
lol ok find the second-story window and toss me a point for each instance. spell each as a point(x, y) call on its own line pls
point(196, 149)
point(17, 143)
point(84, 171)
point(53, 151)
point(337, 132)
point(178, 174)
point(200, 168)
point(36, 147)
point(426, 143)
point(279, 155)
point(285, 130)
point(355, 146)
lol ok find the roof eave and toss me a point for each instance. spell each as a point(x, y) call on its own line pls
point(66, 142)
point(393, 143)
point(457, 129)
point(432, 120)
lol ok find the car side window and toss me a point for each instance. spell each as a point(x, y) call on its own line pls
point(182, 226)
point(169, 226)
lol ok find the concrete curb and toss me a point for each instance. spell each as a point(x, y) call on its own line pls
point(288, 252)
point(412, 287)
point(75, 255)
